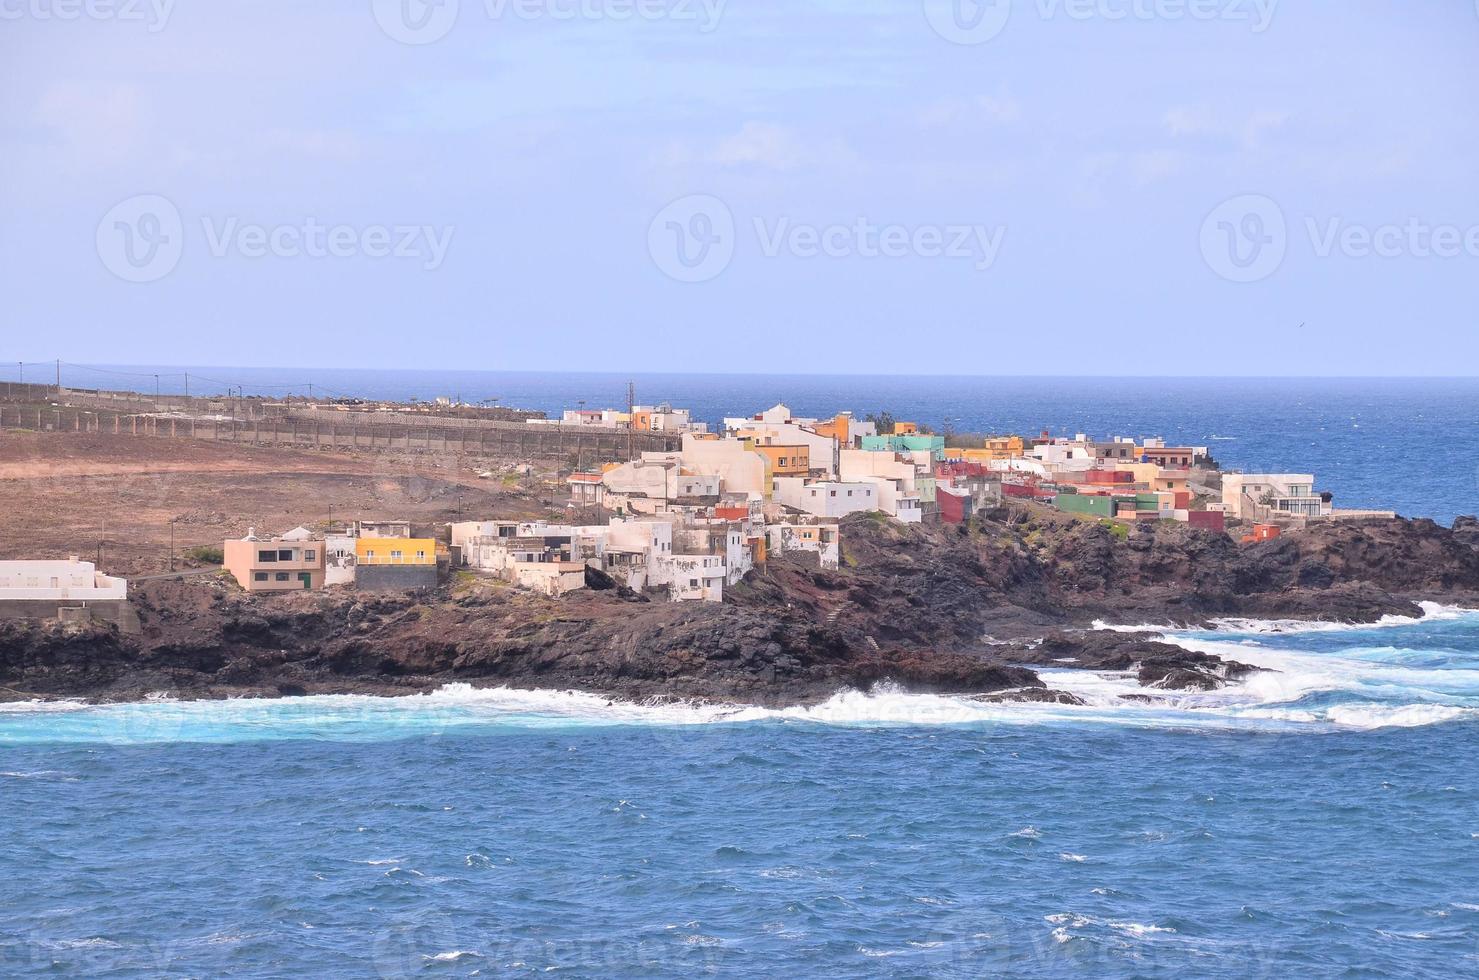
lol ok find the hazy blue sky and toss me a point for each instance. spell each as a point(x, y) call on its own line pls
point(1055, 173)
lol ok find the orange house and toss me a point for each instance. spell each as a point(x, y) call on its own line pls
point(787, 460)
point(839, 428)
point(1262, 532)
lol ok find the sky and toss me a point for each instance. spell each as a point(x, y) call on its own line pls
point(1056, 187)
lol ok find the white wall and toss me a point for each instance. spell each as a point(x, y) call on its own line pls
point(826, 498)
point(741, 470)
point(77, 580)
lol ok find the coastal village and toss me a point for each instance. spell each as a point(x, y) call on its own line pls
point(687, 521)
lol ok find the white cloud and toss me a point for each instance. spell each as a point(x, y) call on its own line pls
point(761, 146)
point(1246, 131)
point(998, 109)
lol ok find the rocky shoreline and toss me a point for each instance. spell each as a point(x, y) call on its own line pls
point(968, 610)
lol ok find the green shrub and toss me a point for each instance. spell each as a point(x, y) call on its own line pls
point(206, 553)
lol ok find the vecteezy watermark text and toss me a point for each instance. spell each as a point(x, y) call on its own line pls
point(978, 21)
point(425, 21)
point(142, 239)
point(153, 14)
point(1246, 238)
point(694, 239)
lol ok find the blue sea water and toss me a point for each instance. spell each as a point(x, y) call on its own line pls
point(1404, 444)
point(1321, 820)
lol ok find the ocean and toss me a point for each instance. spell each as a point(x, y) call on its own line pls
point(1320, 819)
point(1404, 444)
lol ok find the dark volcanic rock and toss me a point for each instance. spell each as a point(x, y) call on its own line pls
point(913, 606)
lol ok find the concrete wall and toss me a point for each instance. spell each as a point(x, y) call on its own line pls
point(120, 613)
point(394, 578)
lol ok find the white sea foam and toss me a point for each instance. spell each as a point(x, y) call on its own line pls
point(1242, 624)
point(1360, 688)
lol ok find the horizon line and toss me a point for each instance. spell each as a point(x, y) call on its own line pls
point(183, 369)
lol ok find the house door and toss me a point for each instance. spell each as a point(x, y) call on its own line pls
point(306, 578)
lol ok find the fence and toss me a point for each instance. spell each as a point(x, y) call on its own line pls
point(495, 439)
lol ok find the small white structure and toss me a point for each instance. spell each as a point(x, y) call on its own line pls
point(896, 478)
point(826, 498)
point(822, 539)
point(1259, 496)
point(739, 468)
point(71, 580)
point(698, 578)
point(339, 558)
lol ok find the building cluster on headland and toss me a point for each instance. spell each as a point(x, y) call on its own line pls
point(688, 522)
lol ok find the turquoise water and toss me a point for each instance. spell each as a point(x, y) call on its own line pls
point(1318, 821)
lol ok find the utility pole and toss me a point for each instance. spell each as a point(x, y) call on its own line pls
point(156, 393)
point(187, 384)
point(171, 544)
point(631, 421)
point(58, 379)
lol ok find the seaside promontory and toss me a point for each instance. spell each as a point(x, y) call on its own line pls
point(966, 609)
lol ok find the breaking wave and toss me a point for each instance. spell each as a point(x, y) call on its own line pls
point(1311, 678)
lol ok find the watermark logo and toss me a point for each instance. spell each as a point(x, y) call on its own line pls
point(153, 14)
point(692, 239)
point(1245, 238)
point(978, 21)
point(425, 21)
point(142, 238)
point(415, 21)
point(315, 240)
point(969, 21)
point(980, 244)
point(407, 947)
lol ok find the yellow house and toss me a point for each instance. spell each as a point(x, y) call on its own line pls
point(1005, 447)
point(1157, 478)
point(395, 551)
point(997, 447)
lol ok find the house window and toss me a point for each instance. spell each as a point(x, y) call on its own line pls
point(310, 555)
point(369, 554)
point(259, 576)
point(266, 556)
point(421, 555)
point(281, 576)
point(285, 555)
point(834, 493)
point(693, 583)
point(395, 556)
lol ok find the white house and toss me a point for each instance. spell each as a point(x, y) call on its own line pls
point(826, 498)
point(339, 558)
point(697, 578)
point(896, 480)
point(1256, 496)
point(822, 539)
point(740, 469)
point(71, 580)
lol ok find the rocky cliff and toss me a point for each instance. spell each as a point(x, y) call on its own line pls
point(967, 609)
